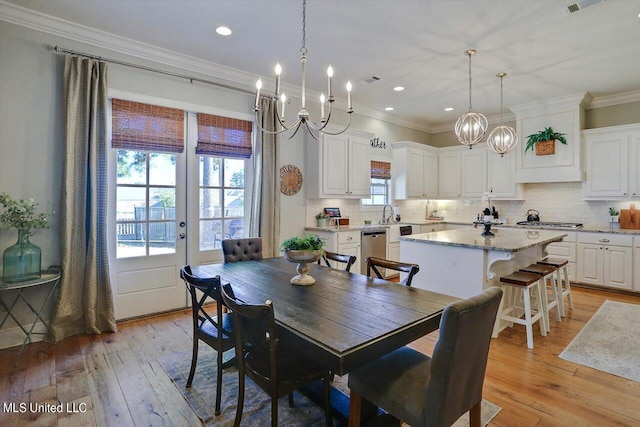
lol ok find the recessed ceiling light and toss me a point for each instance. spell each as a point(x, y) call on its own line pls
point(448, 109)
point(389, 109)
point(398, 88)
point(223, 31)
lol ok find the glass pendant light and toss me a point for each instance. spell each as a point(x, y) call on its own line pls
point(502, 139)
point(471, 126)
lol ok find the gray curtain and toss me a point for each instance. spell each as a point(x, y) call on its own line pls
point(85, 301)
point(265, 199)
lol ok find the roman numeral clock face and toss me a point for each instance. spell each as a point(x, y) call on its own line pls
point(290, 180)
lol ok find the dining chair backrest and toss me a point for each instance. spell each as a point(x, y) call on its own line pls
point(374, 263)
point(349, 260)
point(210, 288)
point(235, 250)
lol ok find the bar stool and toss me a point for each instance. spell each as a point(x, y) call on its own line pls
point(546, 272)
point(564, 291)
point(527, 283)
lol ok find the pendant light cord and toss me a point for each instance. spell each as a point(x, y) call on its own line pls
point(470, 107)
point(501, 99)
point(303, 49)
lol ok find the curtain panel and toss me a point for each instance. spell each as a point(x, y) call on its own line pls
point(85, 300)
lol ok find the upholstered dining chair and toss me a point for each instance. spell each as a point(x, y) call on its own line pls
point(269, 360)
point(218, 332)
point(235, 250)
point(349, 260)
point(435, 391)
point(374, 263)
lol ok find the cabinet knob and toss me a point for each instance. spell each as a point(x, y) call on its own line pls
point(624, 194)
point(606, 249)
point(349, 238)
point(604, 240)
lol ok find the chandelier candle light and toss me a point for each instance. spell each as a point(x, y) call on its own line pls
point(502, 139)
point(471, 126)
point(303, 117)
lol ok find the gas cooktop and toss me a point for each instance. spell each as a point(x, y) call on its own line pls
point(550, 224)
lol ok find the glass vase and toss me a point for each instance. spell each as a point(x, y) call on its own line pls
point(22, 261)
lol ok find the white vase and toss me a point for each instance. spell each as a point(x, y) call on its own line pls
point(614, 218)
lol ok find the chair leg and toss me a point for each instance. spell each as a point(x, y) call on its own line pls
point(475, 415)
point(194, 361)
point(527, 317)
point(240, 400)
point(565, 271)
point(355, 408)
point(291, 400)
point(219, 384)
point(327, 401)
point(274, 411)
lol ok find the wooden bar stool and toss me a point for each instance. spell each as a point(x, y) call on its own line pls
point(527, 283)
point(546, 272)
point(563, 291)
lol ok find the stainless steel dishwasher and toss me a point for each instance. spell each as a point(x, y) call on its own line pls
point(374, 243)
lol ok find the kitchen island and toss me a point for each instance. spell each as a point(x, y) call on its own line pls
point(463, 263)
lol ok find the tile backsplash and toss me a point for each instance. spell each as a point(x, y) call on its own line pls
point(555, 202)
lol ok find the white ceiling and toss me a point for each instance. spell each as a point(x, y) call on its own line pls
point(419, 44)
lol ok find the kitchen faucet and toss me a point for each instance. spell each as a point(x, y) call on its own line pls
point(385, 218)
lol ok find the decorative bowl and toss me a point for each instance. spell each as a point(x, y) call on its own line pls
point(302, 257)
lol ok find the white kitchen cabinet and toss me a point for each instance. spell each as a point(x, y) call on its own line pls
point(462, 172)
point(430, 228)
point(605, 260)
point(636, 264)
point(342, 242)
point(501, 176)
point(613, 159)
point(567, 249)
point(338, 166)
point(415, 170)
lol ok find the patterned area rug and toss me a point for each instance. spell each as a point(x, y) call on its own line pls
point(609, 341)
point(257, 409)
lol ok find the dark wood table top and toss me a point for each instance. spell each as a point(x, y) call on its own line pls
point(344, 319)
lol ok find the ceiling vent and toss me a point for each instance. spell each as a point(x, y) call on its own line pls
point(371, 79)
point(581, 4)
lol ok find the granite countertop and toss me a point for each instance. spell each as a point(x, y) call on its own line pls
point(504, 239)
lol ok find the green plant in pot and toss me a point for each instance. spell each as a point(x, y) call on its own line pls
point(321, 219)
point(302, 250)
point(614, 214)
point(544, 141)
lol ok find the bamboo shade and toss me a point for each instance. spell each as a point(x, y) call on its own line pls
point(380, 170)
point(138, 126)
point(224, 136)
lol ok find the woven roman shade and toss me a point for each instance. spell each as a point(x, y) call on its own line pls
point(380, 170)
point(224, 136)
point(138, 126)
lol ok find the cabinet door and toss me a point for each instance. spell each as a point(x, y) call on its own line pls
point(430, 228)
point(634, 165)
point(607, 166)
point(636, 267)
point(429, 175)
point(351, 249)
point(590, 260)
point(618, 267)
point(415, 173)
point(335, 152)
point(449, 183)
point(501, 176)
point(359, 168)
point(474, 173)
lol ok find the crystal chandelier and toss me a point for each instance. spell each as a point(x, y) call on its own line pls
point(471, 126)
point(502, 139)
point(303, 117)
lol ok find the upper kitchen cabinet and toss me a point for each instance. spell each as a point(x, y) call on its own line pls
point(565, 115)
point(339, 166)
point(613, 159)
point(415, 170)
point(501, 176)
point(462, 172)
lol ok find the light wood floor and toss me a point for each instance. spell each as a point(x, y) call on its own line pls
point(118, 379)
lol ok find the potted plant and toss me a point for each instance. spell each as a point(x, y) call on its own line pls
point(544, 141)
point(22, 261)
point(614, 214)
point(302, 250)
point(321, 219)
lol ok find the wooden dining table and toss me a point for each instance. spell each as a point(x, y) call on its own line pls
point(344, 320)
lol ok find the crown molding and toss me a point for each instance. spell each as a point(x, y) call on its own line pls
point(492, 120)
point(616, 99)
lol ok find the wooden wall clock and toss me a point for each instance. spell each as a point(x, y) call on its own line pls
point(290, 180)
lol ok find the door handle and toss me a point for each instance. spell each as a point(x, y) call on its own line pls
point(182, 236)
point(182, 224)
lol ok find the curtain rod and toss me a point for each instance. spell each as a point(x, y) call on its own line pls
point(61, 50)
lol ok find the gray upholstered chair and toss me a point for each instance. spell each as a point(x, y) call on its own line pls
point(235, 250)
point(435, 391)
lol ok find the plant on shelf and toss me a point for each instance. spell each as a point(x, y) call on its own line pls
point(321, 219)
point(613, 214)
point(302, 250)
point(546, 136)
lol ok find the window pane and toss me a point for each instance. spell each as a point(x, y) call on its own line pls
point(234, 229)
point(233, 203)
point(378, 190)
point(162, 198)
point(210, 235)
point(379, 200)
point(210, 171)
point(130, 238)
point(162, 238)
point(378, 181)
point(162, 169)
point(132, 167)
point(131, 204)
point(233, 173)
point(367, 201)
point(210, 203)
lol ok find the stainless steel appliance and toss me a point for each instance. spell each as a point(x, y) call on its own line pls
point(374, 243)
point(550, 224)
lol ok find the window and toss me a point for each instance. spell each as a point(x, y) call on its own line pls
point(224, 144)
point(380, 181)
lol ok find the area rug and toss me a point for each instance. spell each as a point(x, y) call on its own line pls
point(610, 341)
point(257, 409)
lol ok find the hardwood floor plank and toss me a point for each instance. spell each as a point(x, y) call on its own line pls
point(84, 417)
point(38, 401)
point(71, 377)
